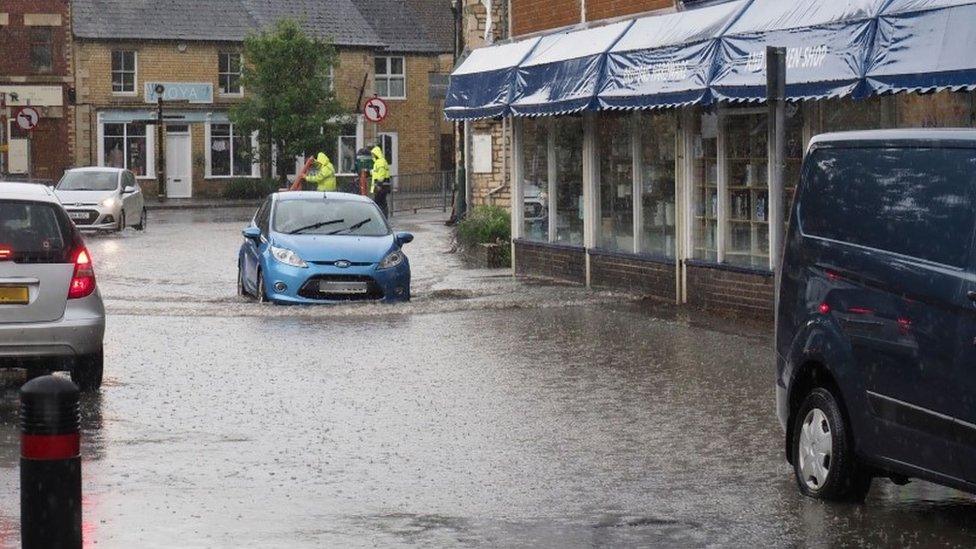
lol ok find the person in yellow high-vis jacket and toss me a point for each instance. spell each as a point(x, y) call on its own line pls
point(324, 176)
point(381, 186)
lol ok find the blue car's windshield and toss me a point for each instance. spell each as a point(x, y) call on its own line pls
point(324, 216)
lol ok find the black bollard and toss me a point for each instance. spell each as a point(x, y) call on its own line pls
point(50, 464)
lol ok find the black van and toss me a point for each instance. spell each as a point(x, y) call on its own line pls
point(876, 316)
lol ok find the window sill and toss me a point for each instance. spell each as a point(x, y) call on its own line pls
point(224, 177)
point(728, 267)
point(643, 256)
point(125, 94)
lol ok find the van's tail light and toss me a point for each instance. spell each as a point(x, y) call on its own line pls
point(83, 279)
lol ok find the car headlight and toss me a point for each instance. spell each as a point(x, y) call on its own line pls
point(288, 257)
point(392, 259)
point(109, 202)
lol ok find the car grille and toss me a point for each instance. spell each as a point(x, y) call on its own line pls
point(311, 289)
point(92, 215)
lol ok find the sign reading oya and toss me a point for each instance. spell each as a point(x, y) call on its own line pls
point(193, 92)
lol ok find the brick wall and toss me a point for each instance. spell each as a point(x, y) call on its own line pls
point(634, 274)
point(603, 9)
point(536, 15)
point(565, 263)
point(731, 290)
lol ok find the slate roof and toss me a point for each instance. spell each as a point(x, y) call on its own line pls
point(387, 24)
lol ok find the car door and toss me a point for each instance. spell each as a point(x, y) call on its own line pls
point(881, 217)
point(131, 200)
point(253, 249)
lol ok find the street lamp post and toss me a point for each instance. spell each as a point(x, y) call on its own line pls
point(160, 150)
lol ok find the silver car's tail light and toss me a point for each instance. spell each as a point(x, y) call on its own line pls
point(83, 278)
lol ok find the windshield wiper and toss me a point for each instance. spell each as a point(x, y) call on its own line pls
point(353, 227)
point(317, 225)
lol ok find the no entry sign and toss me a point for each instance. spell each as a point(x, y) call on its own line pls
point(375, 110)
point(27, 118)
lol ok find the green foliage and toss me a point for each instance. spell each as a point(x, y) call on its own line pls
point(288, 100)
point(485, 225)
point(250, 189)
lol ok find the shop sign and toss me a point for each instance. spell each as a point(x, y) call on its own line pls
point(192, 92)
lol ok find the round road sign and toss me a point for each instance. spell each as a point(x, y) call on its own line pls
point(27, 118)
point(375, 110)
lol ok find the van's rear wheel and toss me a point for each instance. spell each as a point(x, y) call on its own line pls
point(87, 371)
point(823, 451)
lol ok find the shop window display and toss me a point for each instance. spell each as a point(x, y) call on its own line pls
point(616, 219)
point(657, 134)
point(535, 179)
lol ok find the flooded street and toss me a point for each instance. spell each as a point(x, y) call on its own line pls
point(487, 412)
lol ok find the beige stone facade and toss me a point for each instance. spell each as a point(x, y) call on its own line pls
point(417, 120)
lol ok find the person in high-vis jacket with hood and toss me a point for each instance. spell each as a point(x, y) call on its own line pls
point(381, 186)
point(324, 176)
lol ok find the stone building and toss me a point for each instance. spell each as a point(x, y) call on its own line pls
point(630, 138)
point(35, 70)
point(124, 49)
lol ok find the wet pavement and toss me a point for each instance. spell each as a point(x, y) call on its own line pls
point(487, 412)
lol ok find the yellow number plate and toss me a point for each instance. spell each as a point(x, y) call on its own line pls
point(14, 295)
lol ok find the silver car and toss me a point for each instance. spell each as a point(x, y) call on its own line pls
point(51, 312)
point(102, 198)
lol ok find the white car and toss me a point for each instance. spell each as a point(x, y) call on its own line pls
point(102, 199)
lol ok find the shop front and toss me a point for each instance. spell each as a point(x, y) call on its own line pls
point(660, 183)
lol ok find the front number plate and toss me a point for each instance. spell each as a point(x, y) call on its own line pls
point(77, 215)
point(14, 295)
point(350, 288)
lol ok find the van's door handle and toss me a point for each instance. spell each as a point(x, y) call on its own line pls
point(971, 294)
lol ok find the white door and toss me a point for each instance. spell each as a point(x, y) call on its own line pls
point(391, 150)
point(17, 156)
point(179, 173)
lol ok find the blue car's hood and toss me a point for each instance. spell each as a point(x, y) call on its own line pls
point(358, 249)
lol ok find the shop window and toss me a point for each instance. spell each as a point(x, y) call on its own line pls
point(123, 71)
point(42, 49)
point(567, 134)
point(125, 146)
point(705, 187)
point(657, 134)
point(230, 152)
point(535, 178)
point(748, 197)
point(229, 73)
point(616, 220)
point(391, 79)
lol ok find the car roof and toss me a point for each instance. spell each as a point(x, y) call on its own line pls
point(27, 191)
point(921, 137)
point(315, 195)
point(96, 169)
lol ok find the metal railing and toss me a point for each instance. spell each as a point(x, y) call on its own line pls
point(421, 191)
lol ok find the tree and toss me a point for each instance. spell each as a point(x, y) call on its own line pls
point(288, 98)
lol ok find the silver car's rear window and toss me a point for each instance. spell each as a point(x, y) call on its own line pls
point(35, 232)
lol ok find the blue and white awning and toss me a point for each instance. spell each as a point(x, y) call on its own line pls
point(564, 72)
point(924, 45)
point(666, 60)
point(482, 86)
point(835, 48)
point(827, 43)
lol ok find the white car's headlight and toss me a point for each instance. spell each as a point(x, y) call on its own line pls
point(288, 257)
point(109, 202)
point(392, 259)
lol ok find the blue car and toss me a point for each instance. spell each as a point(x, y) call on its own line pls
point(314, 247)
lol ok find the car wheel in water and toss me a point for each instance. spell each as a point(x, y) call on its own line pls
point(143, 219)
point(121, 224)
point(823, 451)
point(241, 289)
point(262, 291)
point(87, 371)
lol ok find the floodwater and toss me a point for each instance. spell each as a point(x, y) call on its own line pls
point(487, 412)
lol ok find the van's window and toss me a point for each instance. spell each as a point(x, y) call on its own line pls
point(914, 202)
point(35, 232)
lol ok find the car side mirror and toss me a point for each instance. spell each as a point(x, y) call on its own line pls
point(129, 190)
point(251, 233)
point(404, 238)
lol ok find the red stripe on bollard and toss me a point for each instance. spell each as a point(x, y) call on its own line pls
point(43, 447)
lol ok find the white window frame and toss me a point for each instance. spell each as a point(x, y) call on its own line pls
point(208, 143)
point(395, 142)
point(150, 147)
point(240, 75)
point(389, 76)
point(355, 147)
point(135, 72)
point(331, 78)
